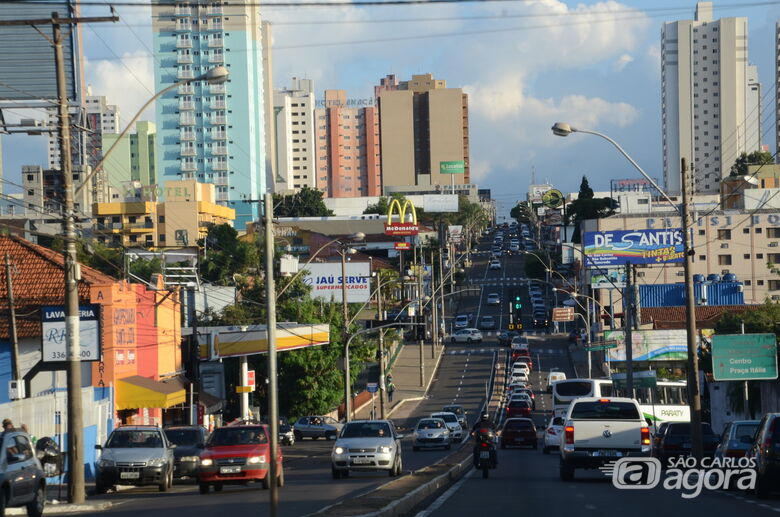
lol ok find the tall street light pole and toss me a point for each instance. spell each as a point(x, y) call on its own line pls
point(344, 249)
point(273, 403)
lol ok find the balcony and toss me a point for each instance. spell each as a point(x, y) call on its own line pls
point(214, 25)
point(220, 178)
point(184, 73)
point(218, 105)
point(219, 165)
point(186, 89)
point(214, 10)
point(216, 89)
point(145, 225)
point(217, 58)
point(188, 167)
point(218, 120)
point(219, 150)
point(183, 24)
point(183, 11)
point(187, 136)
point(186, 119)
point(183, 43)
point(184, 59)
point(186, 105)
point(218, 135)
point(216, 42)
point(108, 227)
point(187, 150)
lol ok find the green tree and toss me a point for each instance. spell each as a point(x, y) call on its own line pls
point(522, 212)
point(740, 167)
point(587, 206)
point(383, 204)
point(307, 202)
point(226, 255)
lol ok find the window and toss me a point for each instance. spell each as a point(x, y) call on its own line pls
point(759, 256)
point(745, 230)
point(773, 233)
point(702, 232)
point(643, 201)
point(161, 219)
point(748, 282)
point(774, 285)
point(702, 257)
point(759, 282)
point(162, 237)
point(746, 256)
point(724, 260)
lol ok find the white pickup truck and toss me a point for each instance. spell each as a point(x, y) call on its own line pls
point(599, 430)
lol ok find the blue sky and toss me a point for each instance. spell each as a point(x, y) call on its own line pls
point(525, 64)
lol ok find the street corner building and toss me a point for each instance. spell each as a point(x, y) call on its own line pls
point(130, 348)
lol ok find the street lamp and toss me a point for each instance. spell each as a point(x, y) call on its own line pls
point(344, 250)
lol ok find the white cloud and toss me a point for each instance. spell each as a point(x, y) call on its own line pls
point(128, 82)
point(621, 62)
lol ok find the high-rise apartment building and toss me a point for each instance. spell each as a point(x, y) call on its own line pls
point(134, 157)
point(423, 123)
point(212, 133)
point(710, 95)
point(347, 154)
point(295, 140)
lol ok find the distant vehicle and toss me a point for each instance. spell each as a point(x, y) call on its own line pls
point(521, 368)
point(540, 319)
point(189, 441)
point(487, 323)
point(316, 426)
point(431, 433)
point(519, 342)
point(462, 321)
point(22, 478)
point(736, 439)
point(493, 299)
point(458, 411)
point(518, 408)
point(505, 336)
point(553, 377)
point(467, 336)
point(367, 445)
point(521, 395)
point(451, 419)
point(676, 441)
point(518, 432)
point(137, 455)
point(495, 264)
point(552, 434)
point(518, 376)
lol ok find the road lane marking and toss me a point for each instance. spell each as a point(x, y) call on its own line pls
point(446, 495)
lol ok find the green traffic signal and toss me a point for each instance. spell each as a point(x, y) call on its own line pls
point(517, 306)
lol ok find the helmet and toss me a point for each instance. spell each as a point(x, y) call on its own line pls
point(484, 417)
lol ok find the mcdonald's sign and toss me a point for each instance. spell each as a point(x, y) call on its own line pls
point(401, 227)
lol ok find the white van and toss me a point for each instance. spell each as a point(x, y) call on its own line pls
point(553, 377)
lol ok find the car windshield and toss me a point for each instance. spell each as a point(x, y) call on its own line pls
point(366, 430)
point(449, 418)
point(183, 437)
point(226, 436)
point(518, 404)
point(430, 424)
point(604, 411)
point(134, 439)
point(745, 432)
point(454, 409)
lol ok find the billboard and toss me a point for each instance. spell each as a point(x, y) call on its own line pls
point(617, 248)
point(440, 202)
point(607, 278)
point(54, 336)
point(652, 345)
point(456, 233)
point(630, 185)
point(325, 281)
point(454, 167)
point(27, 62)
point(403, 227)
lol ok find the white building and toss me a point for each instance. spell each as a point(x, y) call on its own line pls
point(710, 97)
point(294, 112)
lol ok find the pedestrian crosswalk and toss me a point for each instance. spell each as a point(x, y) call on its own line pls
point(500, 281)
point(495, 333)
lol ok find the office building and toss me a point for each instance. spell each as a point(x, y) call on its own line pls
point(43, 191)
point(133, 159)
point(212, 133)
point(710, 98)
point(423, 123)
point(347, 154)
point(294, 126)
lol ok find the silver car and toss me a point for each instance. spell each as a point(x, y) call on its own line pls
point(367, 445)
point(431, 433)
point(135, 455)
point(451, 419)
point(316, 427)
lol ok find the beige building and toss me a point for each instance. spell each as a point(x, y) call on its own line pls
point(422, 123)
point(183, 218)
point(742, 242)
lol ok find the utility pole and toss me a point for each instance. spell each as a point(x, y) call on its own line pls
point(273, 406)
point(441, 297)
point(694, 395)
point(628, 326)
point(12, 317)
point(420, 316)
point(434, 312)
point(345, 315)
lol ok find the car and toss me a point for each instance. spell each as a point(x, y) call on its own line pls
point(518, 408)
point(316, 426)
point(660, 429)
point(431, 433)
point(530, 393)
point(676, 441)
point(22, 477)
point(736, 439)
point(190, 441)
point(487, 323)
point(540, 319)
point(521, 395)
point(518, 377)
point(552, 377)
point(238, 454)
point(552, 434)
point(517, 432)
point(453, 424)
point(514, 248)
point(367, 445)
point(524, 358)
point(495, 264)
point(285, 431)
point(764, 452)
point(466, 336)
point(496, 253)
point(505, 336)
point(520, 367)
point(462, 321)
point(520, 342)
point(459, 412)
point(137, 455)
point(493, 299)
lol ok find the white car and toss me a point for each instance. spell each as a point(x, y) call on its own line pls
point(553, 377)
point(493, 299)
point(552, 434)
point(467, 336)
point(452, 422)
point(431, 432)
point(518, 377)
point(462, 321)
point(521, 368)
point(495, 264)
point(521, 396)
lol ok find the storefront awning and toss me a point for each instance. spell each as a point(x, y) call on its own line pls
point(141, 392)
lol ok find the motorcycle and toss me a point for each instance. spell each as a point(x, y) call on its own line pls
point(485, 451)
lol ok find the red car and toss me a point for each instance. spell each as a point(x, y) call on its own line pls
point(237, 454)
point(524, 359)
point(518, 431)
point(518, 408)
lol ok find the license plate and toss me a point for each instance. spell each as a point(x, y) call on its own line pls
point(609, 452)
point(484, 455)
point(229, 470)
point(361, 461)
point(129, 475)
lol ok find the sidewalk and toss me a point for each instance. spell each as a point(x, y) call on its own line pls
point(406, 377)
point(56, 496)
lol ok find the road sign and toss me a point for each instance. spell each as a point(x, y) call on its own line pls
point(402, 245)
point(452, 167)
point(600, 346)
point(744, 357)
point(642, 379)
point(250, 378)
point(372, 387)
point(563, 314)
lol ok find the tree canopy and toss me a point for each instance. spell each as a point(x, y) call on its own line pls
point(740, 167)
point(586, 206)
point(307, 202)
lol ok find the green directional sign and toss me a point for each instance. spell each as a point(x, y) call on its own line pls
point(744, 357)
point(601, 346)
point(455, 167)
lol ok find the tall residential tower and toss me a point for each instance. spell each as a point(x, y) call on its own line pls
point(294, 125)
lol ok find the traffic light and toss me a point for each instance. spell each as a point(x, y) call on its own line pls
point(518, 305)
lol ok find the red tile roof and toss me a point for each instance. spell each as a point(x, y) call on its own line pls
point(674, 317)
point(38, 279)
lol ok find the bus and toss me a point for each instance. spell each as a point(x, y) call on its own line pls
point(667, 402)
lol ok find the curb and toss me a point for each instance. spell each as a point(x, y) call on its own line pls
point(64, 508)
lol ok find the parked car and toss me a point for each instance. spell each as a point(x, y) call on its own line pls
point(452, 422)
point(517, 432)
point(765, 451)
point(518, 408)
point(676, 441)
point(552, 434)
point(459, 412)
point(137, 455)
point(22, 478)
point(238, 454)
point(466, 336)
point(493, 299)
point(367, 445)
point(736, 439)
point(431, 433)
point(316, 426)
point(190, 441)
point(487, 323)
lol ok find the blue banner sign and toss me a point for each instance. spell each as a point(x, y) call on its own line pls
point(617, 248)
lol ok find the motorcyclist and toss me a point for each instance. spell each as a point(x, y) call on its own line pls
point(484, 422)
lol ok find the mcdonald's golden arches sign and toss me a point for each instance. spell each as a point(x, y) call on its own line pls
point(402, 226)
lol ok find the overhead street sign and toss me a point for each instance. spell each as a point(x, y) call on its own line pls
point(744, 357)
point(601, 346)
point(561, 314)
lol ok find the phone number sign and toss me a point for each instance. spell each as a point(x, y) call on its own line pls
point(54, 339)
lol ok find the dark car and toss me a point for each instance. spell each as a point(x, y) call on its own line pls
point(765, 451)
point(505, 337)
point(736, 439)
point(22, 478)
point(189, 441)
point(659, 433)
point(530, 393)
point(518, 408)
point(676, 441)
point(517, 432)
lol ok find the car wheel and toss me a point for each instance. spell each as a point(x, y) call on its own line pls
point(298, 435)
point(762, 490)
point(415, 448)
point(100, 488)
point(336, 473)
point(566, 472)
point(167, 482)
point(469, 340)
point(218, 487)
point(280, 478)
point(35, 507)
point(267, 480)
point(203, 488)
point(545, 450)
